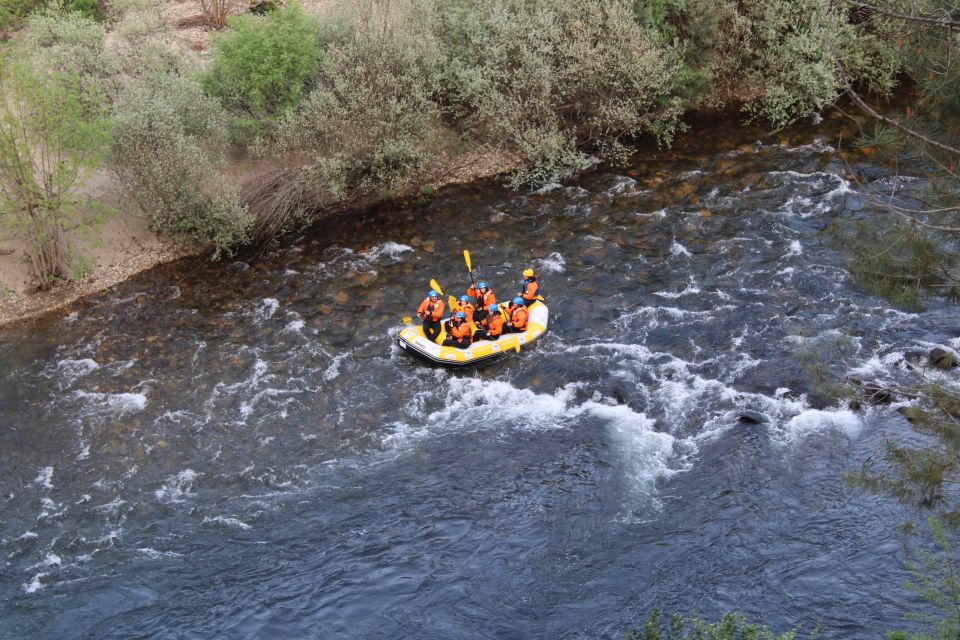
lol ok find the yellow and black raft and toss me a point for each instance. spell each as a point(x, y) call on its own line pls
point(413, 340)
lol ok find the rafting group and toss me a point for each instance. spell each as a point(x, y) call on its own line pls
point(476, 315)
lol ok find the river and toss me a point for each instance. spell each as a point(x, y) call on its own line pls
point(240, 450)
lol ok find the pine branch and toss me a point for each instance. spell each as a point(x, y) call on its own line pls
point(894, 123)
point(940, 22)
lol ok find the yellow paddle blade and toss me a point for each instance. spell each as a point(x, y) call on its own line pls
point(517, 346)
point(436, 287)
point(466, 257)
point(452, 302)
point(540, 298)
point(406, 319)
point(441, 336)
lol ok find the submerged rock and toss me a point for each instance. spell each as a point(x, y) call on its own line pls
point(752, 417)
point(941, 358)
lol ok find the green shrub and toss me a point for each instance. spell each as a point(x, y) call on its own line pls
point(12, 12)
point(169, 143)
point(70, 43)
point(555, 77)
point(264, 65)
point(370, 126)
point(731, 626)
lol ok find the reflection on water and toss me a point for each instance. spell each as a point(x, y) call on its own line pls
point(240, 450)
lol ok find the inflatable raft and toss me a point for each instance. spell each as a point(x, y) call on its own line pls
point(411, 339)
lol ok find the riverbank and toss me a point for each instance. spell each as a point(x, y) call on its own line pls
point(127, 247)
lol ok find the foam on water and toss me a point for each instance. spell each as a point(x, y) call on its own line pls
point(44, 478)
point(35, 584)
point(71, 370)
point(226, 521)
point(815, 420)
point(152, 554)
point(677, 250)
point(268, 307)
point(547, 188)
point(294, 326)
point(387, 249)
point(116, 404)
point(647, 454)
point(690, 289)
point(177, 487)
point(554, 263)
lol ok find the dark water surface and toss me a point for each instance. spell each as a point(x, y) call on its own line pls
point(240, 451)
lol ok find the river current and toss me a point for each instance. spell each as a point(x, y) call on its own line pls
point(240, 450)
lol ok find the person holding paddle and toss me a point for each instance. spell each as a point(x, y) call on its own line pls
point(459, 334)
point(484, 297)
point(431, 310)
point(491, 327)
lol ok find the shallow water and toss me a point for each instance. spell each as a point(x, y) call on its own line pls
point(240, 450)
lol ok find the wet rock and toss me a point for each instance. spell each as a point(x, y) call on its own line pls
point(366, 278)
point(941, 358)
point(875, 394)
point(705, 213)
point(752, 417)
point(341, 297)
point(682, 190)
point(429, 246)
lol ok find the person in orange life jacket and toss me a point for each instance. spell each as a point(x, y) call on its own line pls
point(459, 333)
point(484, 297)
point(531, 287)
point(518, 316)
point(491, 326)
point(431, 310)
point(466, 306)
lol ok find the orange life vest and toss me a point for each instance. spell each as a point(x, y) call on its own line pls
point(460, 330)
point(530, 290)
point(429, 308)
point(484, 300)
point(467, 310)
point(494, 324)
point(519, 317)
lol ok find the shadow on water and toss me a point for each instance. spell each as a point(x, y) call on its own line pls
point(241, 450)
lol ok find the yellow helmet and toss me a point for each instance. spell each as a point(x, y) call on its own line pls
point(527, 273)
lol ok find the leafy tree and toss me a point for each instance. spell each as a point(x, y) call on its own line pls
point(48, 144)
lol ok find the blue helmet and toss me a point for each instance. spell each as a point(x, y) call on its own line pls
point(518, 300)
point(461, 315)
point(464, 298)
point(432, 294)
point(481, 285)
point(494, 308)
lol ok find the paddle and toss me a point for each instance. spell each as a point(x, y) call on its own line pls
point(436, 287)
point(406, 319)
point(479, 297)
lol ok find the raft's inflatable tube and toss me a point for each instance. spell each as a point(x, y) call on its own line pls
point(412, 339)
